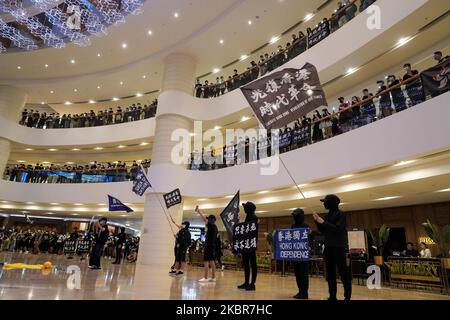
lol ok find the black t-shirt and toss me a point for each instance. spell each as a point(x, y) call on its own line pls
point(407, 76)
point(211, 235)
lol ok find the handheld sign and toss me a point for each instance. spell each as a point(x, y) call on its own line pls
point(245, 237)
point(291, 244)
point(70, 246)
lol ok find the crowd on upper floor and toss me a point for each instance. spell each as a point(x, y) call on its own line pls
point(94, 172)
point(345, 11)
point(394, 95)
point(42, 120)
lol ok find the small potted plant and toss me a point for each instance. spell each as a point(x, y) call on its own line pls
point(379, 240)
point(269, 238)
point(441, 238)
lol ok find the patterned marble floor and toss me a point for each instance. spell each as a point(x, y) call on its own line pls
point(128, 281)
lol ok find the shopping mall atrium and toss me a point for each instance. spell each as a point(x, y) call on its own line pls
point(224, 150)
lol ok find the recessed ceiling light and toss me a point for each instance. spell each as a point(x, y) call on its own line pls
point(91, 101)
point(144, 76)
point(19, 67)
point(98, 148)
point(46, 65)
point(75, 214)
point(115, 99)
point(70, 162)
point(54, 203)
point(20, 161)
point(260, 211)
point(121, 146)
point(244, 118)
point(274, 40)
point(75, 90)
point(249, 22)
point(192, 134)
point(77, 204)
point(42, 102)
point(216, 70)
point(138, 95)
point(52, 91)
point(29, 149)
point(45, 162)
point(121, 83)
point(176, 15)
point(67, 102)
point(351, 70)
point(72, 61)
point(50, 213)
point(29, 202)
point(444, 190)
point(308, 16)
point(98, 87)
point(404, 163)
point(202, 199)
point(144, 143)
point(124, 45)
point(243, 57)
point(101, 204)
point(99, 55)
point(263, 192)
point(345, 176)
point(217, 127)
point(75, 149)
point(387, 198)
point(221, 41)
point(230, 196)
point(4, 201)
point(309, 92)
point(403, 41)
point(150, 32)
point(52, 149)
point(124, 215)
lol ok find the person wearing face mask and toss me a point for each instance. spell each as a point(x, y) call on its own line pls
point(182, 242)
point(209, 249)
point(301, 268)
point(249, 258)
point(101, 234)
point(334, 228)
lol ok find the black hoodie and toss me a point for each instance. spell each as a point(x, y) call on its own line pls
point(184, 237)
point(334, 228)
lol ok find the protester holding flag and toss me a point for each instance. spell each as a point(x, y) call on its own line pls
point(249, 258)
point(209, 249)
point(101, 234)
point(182, 242)
point(301, 267)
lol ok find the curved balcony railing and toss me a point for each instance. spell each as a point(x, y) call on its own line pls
point(268, 63)
point(399, 96)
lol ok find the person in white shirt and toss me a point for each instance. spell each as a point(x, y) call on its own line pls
point(424, 251)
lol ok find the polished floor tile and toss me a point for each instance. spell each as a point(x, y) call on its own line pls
point(131, 282)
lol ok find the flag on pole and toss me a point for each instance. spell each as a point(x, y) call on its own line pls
point(141, 182)
point(172, 198)
point(230, 215)
point(117, 205)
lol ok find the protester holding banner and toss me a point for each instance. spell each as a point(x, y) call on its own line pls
point(101, 234)
point(249, 258)
point(209, 249)
point(182, 242)
point(301, 268)
point(334, 228)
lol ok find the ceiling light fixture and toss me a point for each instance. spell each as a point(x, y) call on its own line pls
point(121, 83)
point(221, 41)
point(98, 87)
point(124, 45)
point(67, 103)
point(19, 67)
point(77, 204)
point(91, 101)
point(176, 15)
point(263, 192)
point(52, 91)
point(144, 76)
point(217, 127)
point(72, 61)
point(274, 39)
point(351, 70)
point(139, 95)
point(75, 90)
point(249, 22)
point(121, 146)
point(216, 70)
point(52, 150)
point(75, 149)
point(404, 163)
point(229, 197)
point(144, 143)
point(46, 65)
point(403, 41)
point(20, 161)
point(149, 32)
point(243, 57)
point(345, 176)
point(444, 190)
point(29, 149)
point(387, 198)
point(244, 118)
point(42, 102)
point(308, 17)
point(98, 148)
point(115, 99)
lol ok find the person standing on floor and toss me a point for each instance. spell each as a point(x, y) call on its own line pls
point(120, 242)
point(101, 234)
point(249, 258)
point(183, 240)
point(301, 267)
point(209, 250)
point(334, 228)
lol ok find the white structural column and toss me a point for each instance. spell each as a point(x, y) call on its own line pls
point(156, 247)
point(12, 101)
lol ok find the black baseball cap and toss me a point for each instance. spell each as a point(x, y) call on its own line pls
point(331, 197)
point(250, 206)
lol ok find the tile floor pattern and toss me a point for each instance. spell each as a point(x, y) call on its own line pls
point(128, 281)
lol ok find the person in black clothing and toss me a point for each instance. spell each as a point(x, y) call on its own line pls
point(414, 87)
point(397, 94)
point(385, 100)
point(209, 250)
point(120, 243)
point(439, 57)
point(101, 235)
point(411, 251)
point(301, 268)
point(182, 242)
point(249, 258)
point(334, 228)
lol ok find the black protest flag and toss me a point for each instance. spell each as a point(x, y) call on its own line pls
point(285, 96)
point(141, 182)
point(172, 198)
point(230, 215)
point(436, 80)
point(117, 205)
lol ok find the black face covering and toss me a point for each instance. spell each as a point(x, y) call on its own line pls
point(329, 204)
point(299, 219)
